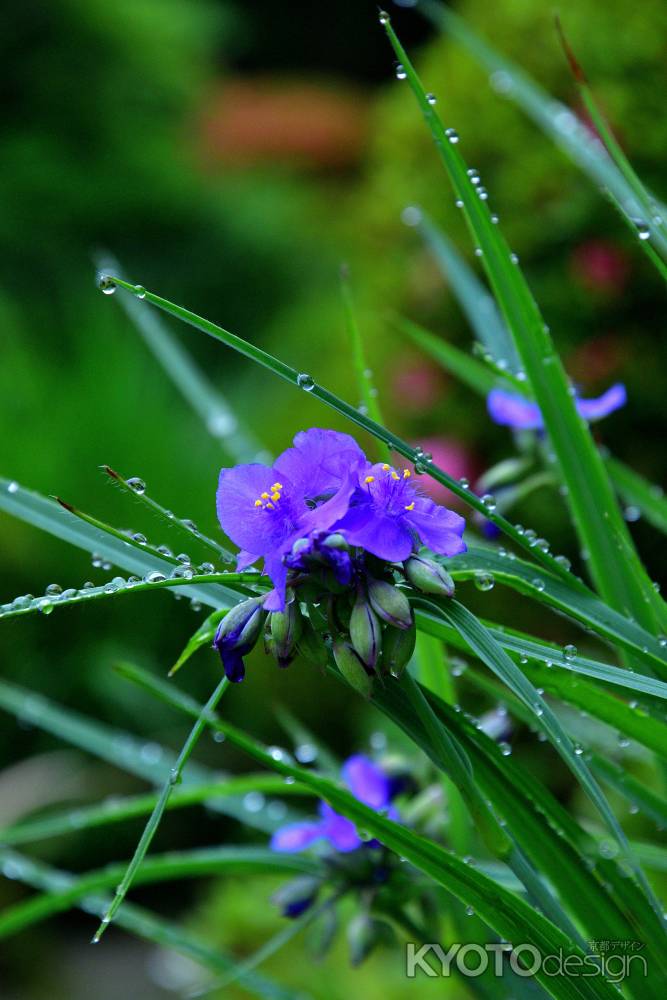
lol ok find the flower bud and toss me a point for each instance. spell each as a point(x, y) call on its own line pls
point(296, 896)
point(363, 934)
point(390, 603)
point(352, 668)
point(428, 576)
point(311, 646)
point(285, 631)
point(365, 632)
point(398, 645)
point(236, 635)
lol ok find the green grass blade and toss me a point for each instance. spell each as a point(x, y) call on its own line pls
point(146, 925)
point(456, 362)
point(615, 566)
point(175, 778)
point(506, 913)
point(147, 760)
point(215, 413)
point(637, 492)
point(120, 810)
point(483, 644)
point(636, 793)
point(555, 119)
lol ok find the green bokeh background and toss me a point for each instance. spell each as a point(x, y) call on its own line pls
point(103, 148)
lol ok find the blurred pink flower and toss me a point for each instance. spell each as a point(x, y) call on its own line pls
point(454, 458)
point(600, 266)
point(417, 385)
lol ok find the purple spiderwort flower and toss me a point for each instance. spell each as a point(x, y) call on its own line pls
point(236, 635)
point(265, 510)
point(511, 410)
point(389, 517)
point(369, 784)
point(316, 548)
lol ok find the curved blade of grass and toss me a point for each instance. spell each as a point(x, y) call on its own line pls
point(553, 117)
point(638, 492)
point(120, 810)
point(456, 362)
point(198, 863)
point(483, 644)
point(147, 760)
point(615, 566)
point(364, 376)
point(307, 383)
point(503, 911)
point(585, 608)
point(34, 509)
point(206, 401)
point(184, 524)
point(478, 305)
point(145, 925)
point(175, 778)
point(638, 794)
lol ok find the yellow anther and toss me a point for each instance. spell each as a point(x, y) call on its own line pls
point(386, 467)
point(264, 496)
point(410, 506)
point(258, 503)
point(269, 506)
point(406, 473)
point(369, 479)
point(277, 486)
point(275, 496)
point(395, 475)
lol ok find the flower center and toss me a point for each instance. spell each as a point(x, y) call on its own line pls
point(269, 501)
point(392, 490)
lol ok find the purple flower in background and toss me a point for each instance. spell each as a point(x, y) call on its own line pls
point(511, 410)
point(265, 510)
point(368, 783)
point(389, 517)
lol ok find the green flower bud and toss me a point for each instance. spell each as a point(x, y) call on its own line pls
point(286, 628)
point(429, 576)
point(398, 645)
point(365, 632)
point(352, 668)
point(241, 626)
point(296, 896)
point(390, 603)
point(311, 646)
point(363, 934)
point(336, 541)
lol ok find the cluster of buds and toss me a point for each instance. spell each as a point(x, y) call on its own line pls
point(338, 599)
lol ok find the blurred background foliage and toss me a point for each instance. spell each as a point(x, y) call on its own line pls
point(231, 156)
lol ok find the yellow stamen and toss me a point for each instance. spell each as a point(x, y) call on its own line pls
point(369, 479)
point(277, 486)
point(406, 473)
point(275, 496)
point(258, 503)
point(264, 496)
point(395, 475)
point(410, 506)
point(386, 467)
point(269, 506)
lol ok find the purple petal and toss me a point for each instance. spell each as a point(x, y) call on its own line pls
point(366, 781)
point(380, 534)
point(595, 409)
point(338, 830)
point(296, 837)
point(234, 666)
point(439, 529)
point(509, 410)
point(318, 461)
point(274, 568)
point(245, 559)
point(250, 527)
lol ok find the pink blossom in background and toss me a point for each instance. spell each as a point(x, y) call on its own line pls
point(417, 385)
point(600, 266)
point(454, 458)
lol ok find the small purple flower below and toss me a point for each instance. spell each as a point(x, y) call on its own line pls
point(369, 784)
point(511, 410)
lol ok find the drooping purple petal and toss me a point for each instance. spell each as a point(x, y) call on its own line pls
point(438, 528)
point(234, 667)
point(366, 781)
point(338, 830)
point(379, 533)
point(510, 410)
point(296, 837)
point(276, 569)
point(596, 409)
point(245, 559)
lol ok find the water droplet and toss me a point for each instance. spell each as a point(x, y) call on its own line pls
point(53, 590)
point(662, 640)
point(538, 584)
point(140, 291)
point(563, 561)
point(175, 776)
point(12, 487)
point(46, 607)
point(539, 711)
point(184, 558)
point(569, 651)
point(470, 911)
point(105, 284)
point(110, 588)
point(505, 749)
point(306, 382)
point(431, 99)
point(253, 802)
point(206, 568)
point(578, 749)
point(632, 513)
point(182, 573)
point(218, 737)
point(643, 231)
point(501, 81)
point(464, 483)
point(494, 220)
point(154, 577)
point(458, 203)
point(306, 753)
point(383, 17)
point(452, 135)
point(542, 544)
point(400, 71)
point(514, 258)
point(623, 741)
point(489, 502)
point(479, 252)
point(411, 216)
point(139, 538)
point(137, 485)
point(484, 581)
point(473, 175)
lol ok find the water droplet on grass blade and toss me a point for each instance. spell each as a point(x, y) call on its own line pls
point(489, 502)
point(484, 581)
point(431, 99)
point(452, 135)
point(137, 485)
point(411, 216)
point(305, 381)
point(400, 71)
point(140, 291)
point(105, 284)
